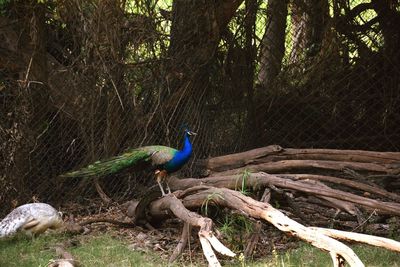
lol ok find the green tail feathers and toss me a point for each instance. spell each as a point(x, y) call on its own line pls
point(111, 165)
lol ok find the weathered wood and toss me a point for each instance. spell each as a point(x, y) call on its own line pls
point(207, 239)
point(353, 184)
point(363, 238)
point(336, 203)
point(337, 155)
point(276, 153)
point(378, 229)
point(216, 190)
point(240, 159)
point(192, 193)
point(194, 197)
point(259, 180)
point(289, 165)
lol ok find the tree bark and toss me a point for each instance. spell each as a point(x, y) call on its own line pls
point(273, 43)
point(318, 16)
point(299, 20)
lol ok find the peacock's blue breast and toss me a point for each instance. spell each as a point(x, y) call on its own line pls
point(177, 162)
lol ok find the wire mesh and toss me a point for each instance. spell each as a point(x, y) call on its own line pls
point(108, 88)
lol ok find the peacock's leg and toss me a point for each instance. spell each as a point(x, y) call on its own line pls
point(161, 188)
point(168, 189)
point(159, 178)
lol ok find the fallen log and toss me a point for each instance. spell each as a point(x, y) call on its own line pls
point(192, 193)
point(352, 184)
point(289, 165)
point(363, 238)
point(196, 196)
point(237, 160)
point(336, 203)
point(277, 153)
point(208, 241)
point(292, 189)
point(260, 180)
point(336, 155)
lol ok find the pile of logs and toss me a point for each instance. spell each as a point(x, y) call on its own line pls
point(352, 181)
point(317, 187)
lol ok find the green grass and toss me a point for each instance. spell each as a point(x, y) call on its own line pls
point(307, 255)
point(101, 250)
point(21, 251)
point(235, 228)
point(105, 250)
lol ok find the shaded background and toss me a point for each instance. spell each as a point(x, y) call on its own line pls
point(85, 80)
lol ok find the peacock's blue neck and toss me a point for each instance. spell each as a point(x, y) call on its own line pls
point(187, 146)
point(181, 156)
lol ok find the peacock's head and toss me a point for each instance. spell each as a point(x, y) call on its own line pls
point(189, 132)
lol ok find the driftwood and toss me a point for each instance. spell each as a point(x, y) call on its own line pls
point(367, 239)
point(316, 198)
point(207, 239)
point(275, 153)
point(195, 197)
point(192, 193)
point(260, 180)
point(351, 169)
point(289, 165)
point(350, 183)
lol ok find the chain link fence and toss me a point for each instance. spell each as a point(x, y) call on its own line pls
point(109, 88)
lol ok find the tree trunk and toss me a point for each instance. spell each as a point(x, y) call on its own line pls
point(249, 69)
point(273, 42)
point(387, 17)
point(317, 20)
point(195, 35)
point(309, 22)
point(298, 19)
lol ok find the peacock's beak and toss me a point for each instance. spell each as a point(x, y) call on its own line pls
point(191, 133)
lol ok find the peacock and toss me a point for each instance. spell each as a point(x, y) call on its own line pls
point(162, 159)
point(33, 219)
